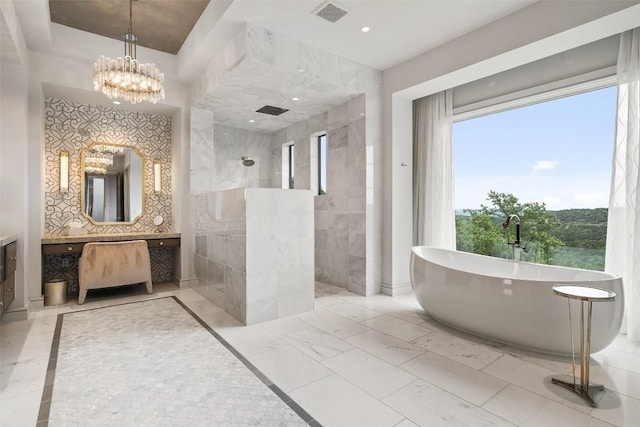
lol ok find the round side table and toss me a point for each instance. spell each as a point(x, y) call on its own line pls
point(587, 296)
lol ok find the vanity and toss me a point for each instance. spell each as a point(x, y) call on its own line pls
point(60, 255)
point(8, 260)
point(109, 186)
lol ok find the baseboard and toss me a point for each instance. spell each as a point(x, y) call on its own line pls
point(395, 290)
point(15, 315)
point(36, 304)
point(185, 283)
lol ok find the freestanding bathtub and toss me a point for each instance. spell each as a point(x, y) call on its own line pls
point(512, 302)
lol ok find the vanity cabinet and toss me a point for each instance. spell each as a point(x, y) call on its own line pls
point(60, 255)
point(8, 261)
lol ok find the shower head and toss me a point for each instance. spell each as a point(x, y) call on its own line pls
point(248, 161)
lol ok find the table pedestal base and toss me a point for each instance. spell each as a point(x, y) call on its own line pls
point(587, 392)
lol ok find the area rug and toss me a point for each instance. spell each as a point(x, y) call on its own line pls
point(154, 363)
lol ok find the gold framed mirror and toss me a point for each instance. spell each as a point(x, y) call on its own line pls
point(112, 181)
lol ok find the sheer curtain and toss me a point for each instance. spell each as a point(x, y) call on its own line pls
point(623, 229)
point(433, 196)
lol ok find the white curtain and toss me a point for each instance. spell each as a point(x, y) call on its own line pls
point(433, 196)
point(623, 229)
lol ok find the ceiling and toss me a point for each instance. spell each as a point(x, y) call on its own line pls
point(158, 24)
point(190, 33)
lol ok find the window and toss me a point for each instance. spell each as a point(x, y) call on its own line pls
point(288, 165)
point(292, 163)
point(318, 162)
point(550, 164)
point(322, 164)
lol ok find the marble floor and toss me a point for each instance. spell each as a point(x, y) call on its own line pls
point(356, 361)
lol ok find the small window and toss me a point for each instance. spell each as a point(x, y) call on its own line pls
point(318, 163)
point(288, 165)
point(322, 164)
point(291, 166)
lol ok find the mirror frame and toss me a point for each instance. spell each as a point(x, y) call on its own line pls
point(82, 185)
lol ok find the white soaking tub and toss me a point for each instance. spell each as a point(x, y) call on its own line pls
point(512, 302)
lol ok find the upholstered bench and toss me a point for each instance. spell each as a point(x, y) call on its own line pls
point(109, 264)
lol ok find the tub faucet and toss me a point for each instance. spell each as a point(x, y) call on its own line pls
point(516, 244)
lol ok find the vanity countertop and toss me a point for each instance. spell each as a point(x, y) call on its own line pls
point(111, 237)
point(6, 239)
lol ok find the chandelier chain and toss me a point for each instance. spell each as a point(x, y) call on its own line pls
point(130, 16)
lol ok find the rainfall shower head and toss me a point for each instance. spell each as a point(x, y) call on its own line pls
point(248, 161)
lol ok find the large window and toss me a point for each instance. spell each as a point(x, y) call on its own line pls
point(550, 164)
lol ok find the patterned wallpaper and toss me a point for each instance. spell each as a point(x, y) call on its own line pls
point(72, 126)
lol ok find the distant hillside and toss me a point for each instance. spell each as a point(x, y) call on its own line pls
point(584, 228)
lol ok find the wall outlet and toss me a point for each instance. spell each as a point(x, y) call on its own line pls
point(65, 262)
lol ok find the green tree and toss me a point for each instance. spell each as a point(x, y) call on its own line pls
point(489, 236)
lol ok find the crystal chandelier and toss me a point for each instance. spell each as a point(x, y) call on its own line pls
point(93, 158)
point(95, 169)
point(126, 78)
point(106, 148)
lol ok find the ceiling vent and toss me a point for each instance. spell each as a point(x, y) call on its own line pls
point(271, 110)
point(330, 10)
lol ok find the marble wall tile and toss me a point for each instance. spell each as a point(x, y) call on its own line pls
point(357, 244)
point(338, 199)
point(230, 145)
point(235, 254)
point(269, 256)
point(218, 68)
point(338, 117)
point(321, 220)
point(215, 248)
point(201, 245)
point(357, 275)
point(215, 274)
point(260, 45)
point(357, 222)
point(321, 202)
point(356, 108)
point(321, 71)
point(235, 288)
point(338, 168)
point(339, 222)
point(338, 137)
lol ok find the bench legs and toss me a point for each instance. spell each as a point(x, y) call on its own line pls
point(82, 296)
point(83, 292)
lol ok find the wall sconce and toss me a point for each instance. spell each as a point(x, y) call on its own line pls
point(157, 176)
point(64, 171)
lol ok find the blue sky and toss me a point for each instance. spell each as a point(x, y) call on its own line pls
point(557, 152)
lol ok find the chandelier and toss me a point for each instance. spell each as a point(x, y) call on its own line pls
point(106, 148)
point(93, 158)
point(126, 78)
point(95, 169)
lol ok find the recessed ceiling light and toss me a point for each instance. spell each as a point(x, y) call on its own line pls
point(295, 98)
point(365, 29)
point(116, 102)
point(251, 121)
point(492, 83)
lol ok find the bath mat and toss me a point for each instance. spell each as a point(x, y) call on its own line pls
point(155, 363)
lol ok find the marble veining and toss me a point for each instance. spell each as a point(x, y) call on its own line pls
point(254, 251)
point(336, 95)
